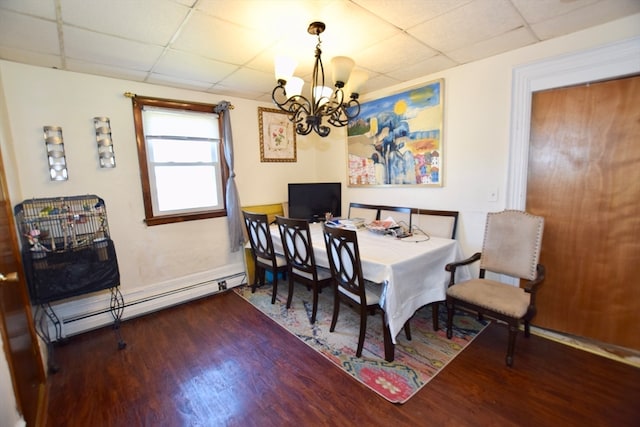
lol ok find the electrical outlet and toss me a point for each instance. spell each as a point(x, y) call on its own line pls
point(222, 285)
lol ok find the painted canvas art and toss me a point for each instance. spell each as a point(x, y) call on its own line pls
point(397, 140)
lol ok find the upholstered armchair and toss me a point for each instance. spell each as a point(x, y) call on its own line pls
point(512, 243)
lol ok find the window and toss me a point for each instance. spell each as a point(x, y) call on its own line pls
point(181, 159)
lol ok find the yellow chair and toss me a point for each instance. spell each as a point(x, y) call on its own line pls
point(272, 210)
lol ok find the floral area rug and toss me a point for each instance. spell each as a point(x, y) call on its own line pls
point(416, 361)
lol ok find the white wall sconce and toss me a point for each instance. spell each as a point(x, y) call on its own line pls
point(106, 156)
point(55, 153)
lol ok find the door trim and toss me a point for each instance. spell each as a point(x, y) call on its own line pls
point(606, 62)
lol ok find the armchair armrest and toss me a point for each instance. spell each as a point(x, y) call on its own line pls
point(451, 267)
point(532, 285)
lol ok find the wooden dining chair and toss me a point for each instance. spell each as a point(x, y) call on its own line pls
point(264, 257)
point(368, 213)
point(511, 247)
point(349, 283)
point(435, 223)
point(302, 268)
point(401, 215)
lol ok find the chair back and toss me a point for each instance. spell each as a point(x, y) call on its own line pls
point(296, 242)
point(344, 261)
point(361, 210)
point(401, 215)
point(260, 236)
point(512, 243)
point(435, 223)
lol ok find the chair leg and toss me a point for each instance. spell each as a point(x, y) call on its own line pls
point(336, 309)
point(513, 332)
point(256, 278)
point(290, 296)
point(450, 310)
point(363, 329)
point(275, 287)
point(527, 329)
point(435, 313)
point(315, 304)
point(407, 329)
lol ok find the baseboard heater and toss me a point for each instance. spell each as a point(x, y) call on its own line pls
point(220, 283)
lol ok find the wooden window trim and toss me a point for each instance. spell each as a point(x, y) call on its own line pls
point(150, 219)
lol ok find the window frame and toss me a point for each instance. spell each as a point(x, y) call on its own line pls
point(139, 102)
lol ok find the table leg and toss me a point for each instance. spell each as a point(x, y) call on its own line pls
point(435, 313)
point(389, 347)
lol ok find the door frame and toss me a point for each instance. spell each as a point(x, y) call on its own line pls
point(613, 60)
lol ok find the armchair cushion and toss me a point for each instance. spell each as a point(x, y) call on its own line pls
point(495, 296)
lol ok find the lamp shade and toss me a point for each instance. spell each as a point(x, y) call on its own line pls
point(294, 86)
point(284, 67)
point(341, 67)
point(322, 94)
point(357, 79)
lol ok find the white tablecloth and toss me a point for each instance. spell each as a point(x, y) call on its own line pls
point(411, 271)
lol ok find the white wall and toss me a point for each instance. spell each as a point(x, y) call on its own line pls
point(477, 121)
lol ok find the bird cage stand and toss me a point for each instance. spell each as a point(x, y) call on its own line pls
point(67, 251)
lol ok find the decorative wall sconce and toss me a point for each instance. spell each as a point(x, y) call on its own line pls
point(106, 156)
point(55, 152)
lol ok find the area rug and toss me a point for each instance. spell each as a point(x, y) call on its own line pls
point(416, 361)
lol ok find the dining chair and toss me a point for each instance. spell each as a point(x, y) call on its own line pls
point(435, 223)
point(298, 250)
point(349, 283)
point(511, 247)
point(264, 257)
point(401, 215)
point(367, 212)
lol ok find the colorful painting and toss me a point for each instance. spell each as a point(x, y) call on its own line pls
point(277, 136)
point(397, 140)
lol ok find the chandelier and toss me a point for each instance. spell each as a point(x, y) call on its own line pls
point(307, 114)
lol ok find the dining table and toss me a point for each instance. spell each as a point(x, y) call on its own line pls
point(410, 270)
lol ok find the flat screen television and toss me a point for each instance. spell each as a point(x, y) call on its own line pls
point(311, 201)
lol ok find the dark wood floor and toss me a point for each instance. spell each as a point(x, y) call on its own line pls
point(219, 362)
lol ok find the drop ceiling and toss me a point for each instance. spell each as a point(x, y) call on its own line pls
point(228, 46)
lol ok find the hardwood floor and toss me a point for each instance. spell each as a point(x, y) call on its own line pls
point(218, 361)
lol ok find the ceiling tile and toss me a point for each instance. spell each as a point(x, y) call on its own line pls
point(193, 67)
point(37, 8)
point(423, 68)
point(32, 58)
point(412, 12)
point(508, 41)
point(252, 80)
point(28, 33)
point(539, 10)
point(149, 21)
point(393, 53)
point(603, 11)
point(105, 70)
point(469, 24)
point(216, 39)
point(161, 79)
point(109, 50)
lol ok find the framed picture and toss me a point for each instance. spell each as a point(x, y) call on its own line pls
point(398, 140)
point(277, 136)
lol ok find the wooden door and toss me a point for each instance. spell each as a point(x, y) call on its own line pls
point(584, 178)
point(16, 322)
